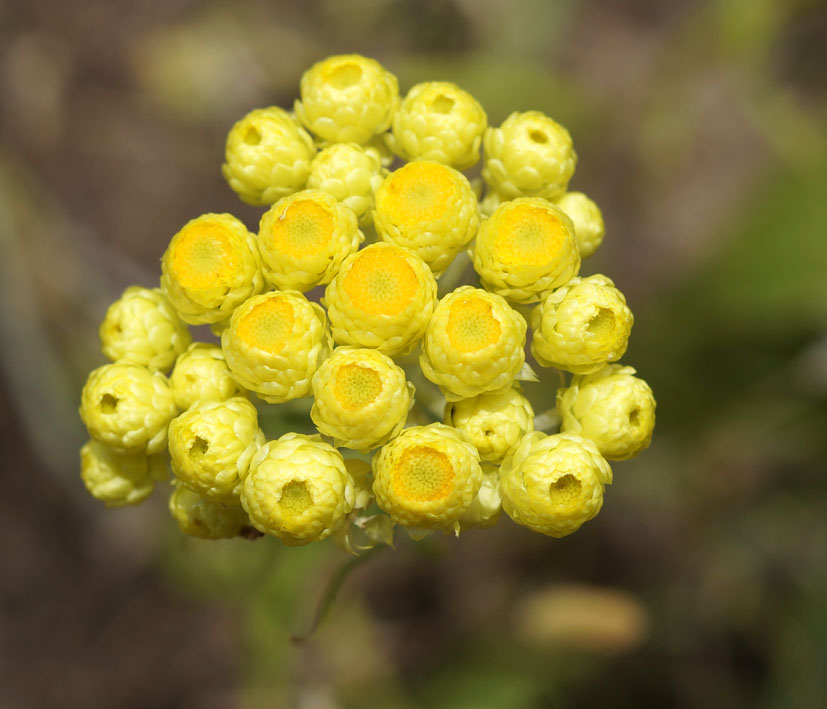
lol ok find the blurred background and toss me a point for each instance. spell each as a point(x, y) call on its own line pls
point(700, 128)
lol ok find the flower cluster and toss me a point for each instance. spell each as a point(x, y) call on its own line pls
point(336, 297)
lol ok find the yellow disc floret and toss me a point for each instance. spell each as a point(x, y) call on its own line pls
point(426, 477)
point(529, 155)
point(474, 344)
point(526, 249)
point(611, 407)
point(351, 174)
point(210, 267)
point(298, 489)
point(211, 445)
point(200, 517)
point(128, 408)
point(142, 327)
point(275, 343)
point(439, 121)
point(495, 423)
point(304, 238)
point(429, 208)
point(581, 326)
point(118, 480)
point(361, 398)
point(347, 99)
point(268, 156)
point(587, 219)
point(382, 297)
point(553, 484)
point(201, 374)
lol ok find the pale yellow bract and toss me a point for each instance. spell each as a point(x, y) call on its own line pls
point(361, 398)
point(201, 374)
point(210, 267)
point(526, 249)
point(429, 208)
point(474, 344)
point(199, 517)
point(426, 477)
point(587, 219)
point(554, 484)
point(118, 480)
point(382, 298)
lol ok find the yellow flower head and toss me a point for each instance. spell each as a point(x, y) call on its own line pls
point(382, 298)
point(429, 208)
point(529, 155)
point(304, 238)
point(298, 489)
point(201, 374)
point(211, 445)
point(200, 517)
point(439, 121)
point(128, 408)
point(275, 343)
point(347, 99)
point(611, 407)
point(427, 477)
point(351, 174)
point(118, 480)
point(495, 423)
point(587, 219)
point(487, 505)
point(361, 398)
point(526, 249)
point(210, 267)
point(268, 156)
point(474, 344)
point(142, 327)
point(553, 484)
point(581, 326)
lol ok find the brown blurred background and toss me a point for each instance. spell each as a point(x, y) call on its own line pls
point(700, 128)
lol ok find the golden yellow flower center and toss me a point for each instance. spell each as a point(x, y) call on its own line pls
point(304, 228)
point(526, 235)
point(566, 489)
point(202, 254)
point(603, 324)
point(267, 326)
point(381, 281)
point(343, 76)
point(356, 386)
point(422, 474)
point(295, 499)
point(418, 192)
point(472, 325)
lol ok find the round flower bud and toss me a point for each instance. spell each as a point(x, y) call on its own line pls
point(439, 121)
point(351, 174)
point(347, 98)
point(211, 445)
point(361, 398)
point(427, 477)
point(128, 408)
point(495, 423)
point(581, 326)
point(201, 374)
point(203, 518)
point(429, 208)
point(268, 156)
point(611, 407)
point(298, 489)
point(486, 507)
point(118, 480)
point(143, 328)
point(553, 484)
point(474, 344)
point(304, 238)
point(529, 155)
point(382, 298)
point(587, 220)
point(275, 343)
point(526, 249)
point(210, 267)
